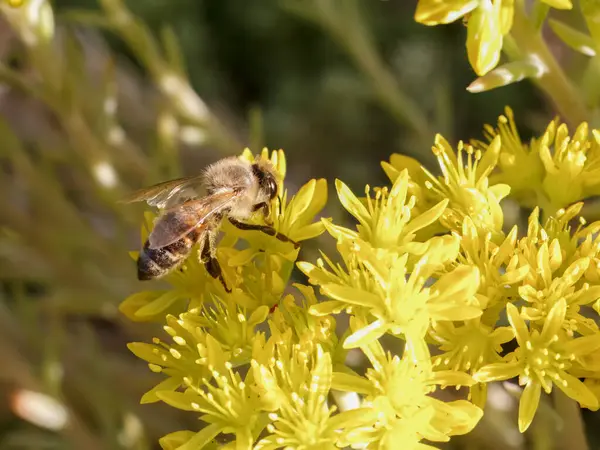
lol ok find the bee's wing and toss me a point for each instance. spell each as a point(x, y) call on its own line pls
point(166, 194)
point(179, 221)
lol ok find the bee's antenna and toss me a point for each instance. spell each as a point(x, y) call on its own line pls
point(280, 201)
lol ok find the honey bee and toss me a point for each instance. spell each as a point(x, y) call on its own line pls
point(234, 189)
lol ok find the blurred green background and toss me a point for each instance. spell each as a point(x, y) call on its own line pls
point(339, 85)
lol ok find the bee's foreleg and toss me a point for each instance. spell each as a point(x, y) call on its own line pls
point(266, 210)
point(263, 228)
point(264, 206)
point(209, 259)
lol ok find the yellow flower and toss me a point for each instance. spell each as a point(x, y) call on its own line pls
point(550, 279)
point(231, 325)
point(487, 22)
point(416, 178)
point(467, 348)
point(189, 354)
point(397, 403)
point(294, 385)
point(514, 156)
point(572, 164)
point(561, 169)
point(500, 268)
point(543, 359)
point(466, 185)
point(397, 298)
point(307, 328)
point(261, 281)
point(227, 403)
point(575, 243)
point(386, 220)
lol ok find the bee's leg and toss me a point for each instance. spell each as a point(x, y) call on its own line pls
point(264, 206)
point(266, 211)
point(265, 229)
point(210, 261)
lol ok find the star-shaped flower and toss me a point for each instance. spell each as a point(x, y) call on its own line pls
point(543, 359)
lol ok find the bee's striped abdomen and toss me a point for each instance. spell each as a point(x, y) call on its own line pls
point(157, 262)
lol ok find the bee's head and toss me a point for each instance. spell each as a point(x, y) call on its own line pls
point(267, 180)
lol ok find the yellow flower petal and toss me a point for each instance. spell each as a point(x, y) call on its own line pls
point(497, 372)
point(594, 386)
point(175, 440)
point(351, 295)
point(434, 12)
point(521, 331)
point(489, 159)
point(132, 304)
point(146, 352)
point(308, 201)
point(453, 312)
point(351, 203)
point(554, 321)
point(351, 383)
point(559, 4)
point(484, 37)
point(179, 400)
point(507, 12)
point(326, 308)
point(338, 232)
point(202, 438)
point(159, 305)
point(479, 394)
point(452, 378)
point(463, 417)
point(501, 335)
point(576, 390)
point(583, 345)
point(427, 218)
point(366, 335)
point(415, 171)
point(528, 404)
point(514, 276)
point(575, 271)
point(308, 232)
point(170, 384)
point(242, 257)
point(457, 286)
point(259, 315)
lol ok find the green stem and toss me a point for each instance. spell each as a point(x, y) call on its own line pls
point(553, 80)
point(393, 98)
point(345, 23)
point(573, 431)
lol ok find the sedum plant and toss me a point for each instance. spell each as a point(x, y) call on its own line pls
point(428, 265)
point(431, 287)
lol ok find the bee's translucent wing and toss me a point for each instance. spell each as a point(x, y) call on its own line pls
point(168, 193)
point(179, 221)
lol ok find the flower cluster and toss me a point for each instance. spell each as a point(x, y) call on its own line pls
point(427, 277)
point(431, 262)
point(488, 22)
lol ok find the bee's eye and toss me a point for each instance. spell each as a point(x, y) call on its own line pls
point(272, 188)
